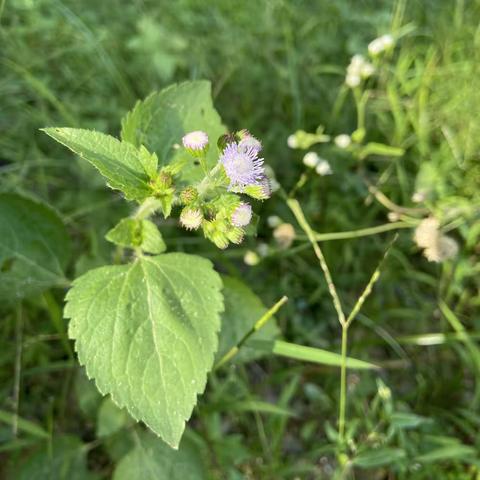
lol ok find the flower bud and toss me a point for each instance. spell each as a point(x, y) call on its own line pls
point(188, 195)
point(225, 140)
point(196, 143)
point(191, 218)
point(258, 192)
point(216, 231)
point(242, 215)
point(311, 159)
point(342, 141)
point(235, 235)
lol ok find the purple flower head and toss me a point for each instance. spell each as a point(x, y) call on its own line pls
point(242, 215)
point(249, 141)
point(242, 166)
point(195, 141)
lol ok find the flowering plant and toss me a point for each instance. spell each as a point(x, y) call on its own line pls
point(147, 329)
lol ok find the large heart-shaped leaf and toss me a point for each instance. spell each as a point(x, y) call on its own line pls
point(119, 162)
point(34, 248)
point(160, 121)
point(147, 333)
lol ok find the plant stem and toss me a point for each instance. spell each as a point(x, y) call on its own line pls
point(258, 325)
point(147, 208)
point(343, 387)
point(363, 232)
point(298, 212)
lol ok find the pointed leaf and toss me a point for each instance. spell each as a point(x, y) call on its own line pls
point(308, 354)
point(34, 248)
point(147, 333)
point(162, 119)
point(119, 162)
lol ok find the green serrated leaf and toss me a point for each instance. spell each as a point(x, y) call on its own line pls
point(34, 248)
point(136, 233)
point(119, 162)
point(149, 162)
point(160, 121)
point(147, 333)
point(151, 459)
point(242, 309)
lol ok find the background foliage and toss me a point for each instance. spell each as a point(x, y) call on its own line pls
point(275, 66)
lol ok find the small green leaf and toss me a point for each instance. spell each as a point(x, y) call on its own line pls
point(111, 419)
point(34, 248)
point(242, 309)
point(152, 459)
point(136, 233)
point(147, 333)
point(308, 354)
point(119, 162)
point(149, 162)
point(379, 457)
point(161, 120)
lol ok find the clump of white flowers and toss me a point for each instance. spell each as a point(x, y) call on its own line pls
point(436, 246)
point(321, 166)
point(359, 69)
point(380, 45)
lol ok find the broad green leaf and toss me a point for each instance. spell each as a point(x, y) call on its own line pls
point(119, 162)
point(147, 333)
point(242, 309)
point(64, 459)
point(162, 119)
point(136, 233)
point(308, 354)
point(34, 248)
point(379, 457)
point(110, 418)
point(152, 459)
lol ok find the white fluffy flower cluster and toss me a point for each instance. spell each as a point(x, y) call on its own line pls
point(436, 246)
point(380, 45)
point(321, 166)
point(359, 69)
